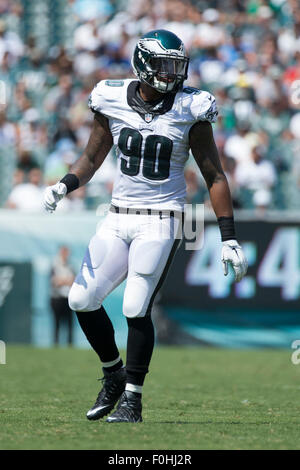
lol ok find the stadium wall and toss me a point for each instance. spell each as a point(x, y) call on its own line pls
point(260, 311)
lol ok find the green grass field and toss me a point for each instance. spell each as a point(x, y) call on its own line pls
point(193, 399)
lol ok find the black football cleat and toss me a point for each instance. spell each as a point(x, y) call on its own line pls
point(113, 387)
point(129, 409)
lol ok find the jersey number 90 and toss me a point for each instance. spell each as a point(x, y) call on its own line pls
point(157, 154)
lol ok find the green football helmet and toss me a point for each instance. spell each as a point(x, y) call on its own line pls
point(159, 60)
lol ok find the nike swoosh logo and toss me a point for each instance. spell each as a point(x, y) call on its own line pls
point(96, 409)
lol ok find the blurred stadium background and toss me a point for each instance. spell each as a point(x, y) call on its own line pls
point(247, 53)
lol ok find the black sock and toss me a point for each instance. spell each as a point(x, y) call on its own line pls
point(99, 331)
point(140, 345)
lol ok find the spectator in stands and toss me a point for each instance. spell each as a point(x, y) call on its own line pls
point(59, 98)
point(62, 277)
point(257, 175)
point(8, 134)
point(28, 196)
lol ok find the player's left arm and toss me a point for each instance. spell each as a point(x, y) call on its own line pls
point(205, 152)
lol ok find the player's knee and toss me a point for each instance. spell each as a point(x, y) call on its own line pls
point(132, 309)
point(79, 299)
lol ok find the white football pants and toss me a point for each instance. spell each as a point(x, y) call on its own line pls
point(137, 246)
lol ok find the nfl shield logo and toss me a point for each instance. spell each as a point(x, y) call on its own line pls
point(148, 117)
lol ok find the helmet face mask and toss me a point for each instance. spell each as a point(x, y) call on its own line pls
point(159, 60)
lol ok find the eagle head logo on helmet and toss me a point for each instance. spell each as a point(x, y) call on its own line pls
point(159, 59)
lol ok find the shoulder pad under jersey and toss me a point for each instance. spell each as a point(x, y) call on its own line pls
point(104, 94)
point(203, 105)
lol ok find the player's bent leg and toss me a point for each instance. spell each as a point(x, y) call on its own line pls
point(96, 279)
point(103, 268)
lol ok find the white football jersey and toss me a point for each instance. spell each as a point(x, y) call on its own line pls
point(152, 148)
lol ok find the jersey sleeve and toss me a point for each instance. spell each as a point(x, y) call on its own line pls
point(96, 100)
point(106, 97)
point(203, 107)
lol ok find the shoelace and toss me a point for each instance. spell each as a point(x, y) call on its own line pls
point(125, 402)
point(110, 387)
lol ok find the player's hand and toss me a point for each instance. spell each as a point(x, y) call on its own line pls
point(53, 194)
point(232, 253)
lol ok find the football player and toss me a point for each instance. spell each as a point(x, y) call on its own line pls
point(154, 121)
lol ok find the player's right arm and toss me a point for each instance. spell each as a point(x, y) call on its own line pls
point(98, 146)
